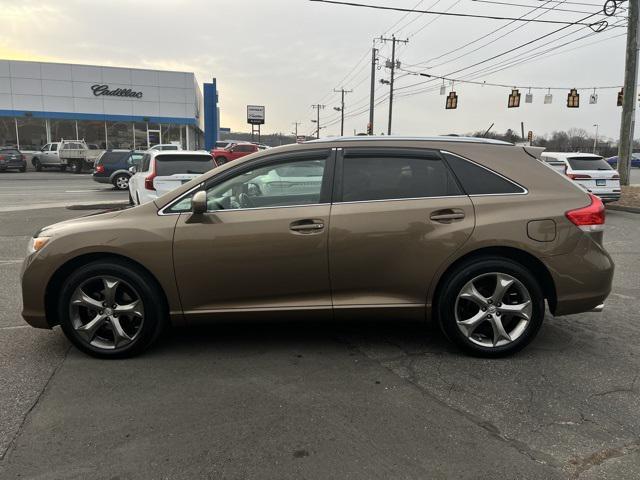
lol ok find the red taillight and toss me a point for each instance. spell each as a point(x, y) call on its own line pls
point(589, 218)
point(578, 176)
point(100, 169)
point(2, 157)
point(148, 181)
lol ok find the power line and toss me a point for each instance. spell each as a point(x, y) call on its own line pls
point(545, 8)
point(452, 14)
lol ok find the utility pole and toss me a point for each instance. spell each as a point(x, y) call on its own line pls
point(295, 124)
point(393, 66)
point(342, 91)
point(374, 59)
point(317, 107)
point(627, 123)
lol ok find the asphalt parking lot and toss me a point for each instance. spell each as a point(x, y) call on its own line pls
point(310, 400)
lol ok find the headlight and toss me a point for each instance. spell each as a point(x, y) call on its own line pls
point(37, 243)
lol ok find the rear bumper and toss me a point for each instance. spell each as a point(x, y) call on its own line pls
point(12, 165)
point(582, 278)
point(608, 197)
point(101, 179)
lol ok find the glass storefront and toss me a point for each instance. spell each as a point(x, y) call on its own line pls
point(33, 133)
point(63, 129)
point(8, 132)
point(119, 135)
point(92, 132)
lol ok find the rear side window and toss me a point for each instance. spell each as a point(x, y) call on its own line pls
point(112, 158)
point(9, 151)
point(589, 163)
point(172, 164)
point(477, 180)
point(244, 148)
point(388, 177)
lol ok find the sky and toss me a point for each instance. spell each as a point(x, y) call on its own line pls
point(290, 54)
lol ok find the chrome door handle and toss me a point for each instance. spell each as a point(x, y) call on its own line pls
point(447, 216)
point(306, 227)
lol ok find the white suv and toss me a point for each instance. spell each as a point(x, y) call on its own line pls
point(161, 171)
point(589, 171)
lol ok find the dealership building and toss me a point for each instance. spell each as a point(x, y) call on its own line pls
point(107, 106)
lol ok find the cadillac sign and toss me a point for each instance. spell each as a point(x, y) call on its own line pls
point(100, 90)
point(255, 114)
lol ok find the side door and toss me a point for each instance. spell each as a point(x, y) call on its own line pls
point(53, 157)
point(397, 215)
point(262, 245)
point(43, 155)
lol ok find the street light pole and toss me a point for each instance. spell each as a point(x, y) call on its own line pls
point(595, 140)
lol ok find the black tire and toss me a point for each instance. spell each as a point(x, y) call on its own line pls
point(23, 169)
point(76, 166)
point(220, 160)
point(464, 273)
point(155, 311)
point(120, 180)
point(37, 165)
point(63, 168)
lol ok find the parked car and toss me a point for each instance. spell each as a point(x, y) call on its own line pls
point(76, 155)
point(635, 161)
point(224, 155)
point(165, 146)
point(48, 157)
point(12, 159)
point(475, 234)
point(228, 143)
point(112, 166)
point(261, 146)
point(162, 171)
point(590, 171)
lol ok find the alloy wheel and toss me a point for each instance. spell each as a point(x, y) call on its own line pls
point(493, 309)
point(122, 182)
point(106, 312)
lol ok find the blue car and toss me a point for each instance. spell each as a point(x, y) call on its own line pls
point(635, 161)
point(113, 167)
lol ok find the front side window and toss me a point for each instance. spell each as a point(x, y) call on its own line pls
point(477, 180)
point(135, 159)
point(54, 147)
point(282, 184)
point(389, 177)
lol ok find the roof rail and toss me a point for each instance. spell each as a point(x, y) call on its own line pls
point(443, 138)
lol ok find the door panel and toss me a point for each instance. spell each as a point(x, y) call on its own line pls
point(386, 252)
point(253, 259)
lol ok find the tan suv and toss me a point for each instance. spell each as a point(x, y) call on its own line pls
point(473, 233)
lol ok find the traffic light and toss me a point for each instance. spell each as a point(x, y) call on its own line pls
point(369, 129)
point(620, 96)
point(573, 99)
point(452, 101)
point(514, 99)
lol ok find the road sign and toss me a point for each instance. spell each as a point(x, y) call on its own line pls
point(255, 114)
point(301, 139)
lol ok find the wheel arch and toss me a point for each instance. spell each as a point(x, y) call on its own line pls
point(527, 260)
point(55, 282)
point(120, 171)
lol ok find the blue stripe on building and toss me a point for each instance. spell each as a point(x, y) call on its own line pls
point(98, 116)
point(210, 92)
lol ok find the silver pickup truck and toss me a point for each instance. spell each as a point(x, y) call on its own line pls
point(72, 154)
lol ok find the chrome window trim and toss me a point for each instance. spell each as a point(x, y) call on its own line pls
point(399, 199)
point(162, 212)
point(524, 192)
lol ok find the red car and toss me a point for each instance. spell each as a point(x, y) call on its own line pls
point(224, 155)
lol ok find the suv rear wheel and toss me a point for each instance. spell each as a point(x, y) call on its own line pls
point(37, 165)
point(491, 307)
point(111, 309)
point(121, 181)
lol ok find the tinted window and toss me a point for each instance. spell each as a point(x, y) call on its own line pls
point(390, 177)
point(244, 148)
point(135, 159)
point(145, 162)
point(169, 147)
point(476, 180)
point(112, 158)
point(589, 163)
point(172, 164)
point(9, 151)
point(54, 147)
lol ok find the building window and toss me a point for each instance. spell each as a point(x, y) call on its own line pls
point(140, 135)
point(170, 133)
point(8, 132)
point(62, 129)
point(92, 132)
point(119, 135)
point(32, 133)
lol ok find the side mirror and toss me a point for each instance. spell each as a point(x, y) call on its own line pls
point(132, 169)
point(199, 203)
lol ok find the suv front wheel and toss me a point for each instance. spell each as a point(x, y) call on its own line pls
point(111, 309)
point(491, 307)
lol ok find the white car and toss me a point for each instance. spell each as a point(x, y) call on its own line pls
point(161, 171)
point(165, 146)
point(589, 171)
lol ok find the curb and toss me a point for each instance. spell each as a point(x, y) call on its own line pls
point(622, 208)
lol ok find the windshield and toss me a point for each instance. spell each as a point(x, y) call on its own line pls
point(172, 164)
point(589, 163)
